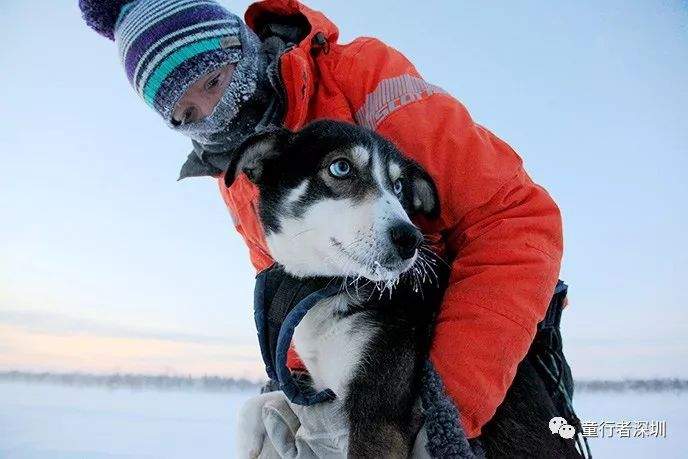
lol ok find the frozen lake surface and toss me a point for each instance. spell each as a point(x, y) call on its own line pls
point(51, 421)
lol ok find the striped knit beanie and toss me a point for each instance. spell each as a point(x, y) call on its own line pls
point(166, 45)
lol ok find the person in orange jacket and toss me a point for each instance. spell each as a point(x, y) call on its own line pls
point(218, 80)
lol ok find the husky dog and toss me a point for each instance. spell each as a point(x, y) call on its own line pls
point(336, 200)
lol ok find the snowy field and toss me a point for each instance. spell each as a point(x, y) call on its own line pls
point(50, 421)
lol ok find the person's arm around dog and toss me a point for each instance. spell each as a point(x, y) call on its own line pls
point(502, 231)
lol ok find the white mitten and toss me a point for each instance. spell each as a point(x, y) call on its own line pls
point(270, 427)
point(251, 431)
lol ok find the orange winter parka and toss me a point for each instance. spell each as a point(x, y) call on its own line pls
point(500, 231)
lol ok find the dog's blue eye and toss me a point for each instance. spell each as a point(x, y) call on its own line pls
point(340, 168)
point(398, 186)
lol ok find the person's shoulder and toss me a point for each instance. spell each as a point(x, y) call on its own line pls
point(370, 56)
point(362, 45)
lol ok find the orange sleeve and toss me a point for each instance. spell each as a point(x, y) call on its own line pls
point(502, 231)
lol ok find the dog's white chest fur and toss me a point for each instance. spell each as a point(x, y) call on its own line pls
point(332, 346)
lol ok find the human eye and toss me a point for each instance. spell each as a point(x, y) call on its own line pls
point(213, 82)
point(188, 116)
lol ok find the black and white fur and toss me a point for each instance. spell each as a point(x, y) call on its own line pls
point(369, 342)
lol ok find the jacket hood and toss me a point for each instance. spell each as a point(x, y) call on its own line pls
point(260, 13)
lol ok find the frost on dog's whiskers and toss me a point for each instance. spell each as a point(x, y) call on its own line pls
point(422, 273)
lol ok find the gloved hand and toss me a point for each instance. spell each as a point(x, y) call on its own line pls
point(271, 427)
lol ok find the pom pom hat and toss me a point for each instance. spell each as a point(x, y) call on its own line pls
point(166, 45)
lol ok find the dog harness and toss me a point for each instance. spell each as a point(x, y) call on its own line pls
point(280, 302)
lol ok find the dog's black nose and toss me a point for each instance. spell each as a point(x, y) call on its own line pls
point(406, 239)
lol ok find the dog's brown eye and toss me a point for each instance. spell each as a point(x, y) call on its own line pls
point(340, 168)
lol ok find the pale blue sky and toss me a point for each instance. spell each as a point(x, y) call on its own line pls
point(101, 250)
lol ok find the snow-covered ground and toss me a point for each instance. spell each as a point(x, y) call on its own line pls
point(62, 422)
point(51, 421)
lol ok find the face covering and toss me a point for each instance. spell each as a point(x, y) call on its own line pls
point(211, 130)
point(248, 105)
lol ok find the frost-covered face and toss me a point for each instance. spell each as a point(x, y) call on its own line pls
point(201, 98)
point(335, 200)
point(209, 111)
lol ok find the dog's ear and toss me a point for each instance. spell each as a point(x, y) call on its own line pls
point(252, 154)
point(424, 197)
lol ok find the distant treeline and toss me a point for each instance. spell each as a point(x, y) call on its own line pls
point(133, 381)
point(634, 385)
point(218, 383)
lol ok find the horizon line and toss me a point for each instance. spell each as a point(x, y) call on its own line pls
point(216, 383)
